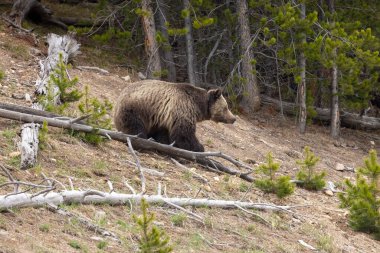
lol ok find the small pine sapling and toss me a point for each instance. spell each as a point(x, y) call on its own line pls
point(2, 74)
point(363, 198)
point(57, 91)
point(152, 239)
point(60, 78)
point(98, 117)
point(97, 110)
point(280, 185)
point(42, 135)
point(307, 176)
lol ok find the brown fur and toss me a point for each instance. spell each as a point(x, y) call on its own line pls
point(168, 112)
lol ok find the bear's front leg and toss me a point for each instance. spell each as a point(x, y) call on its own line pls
point(184, 137)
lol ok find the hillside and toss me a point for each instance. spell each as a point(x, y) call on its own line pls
point(318, 221)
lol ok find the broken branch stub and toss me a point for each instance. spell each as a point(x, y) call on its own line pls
point(29, 144)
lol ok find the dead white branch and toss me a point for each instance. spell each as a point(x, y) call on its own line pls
point(130, 187)
point(59, 46)
point(97, 197)
point(96, 69)
point(199, 218)
point(193, 173)
point(148, 170)
point(142, 177)
point(254, 214)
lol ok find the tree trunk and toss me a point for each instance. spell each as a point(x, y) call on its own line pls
point(335, 117)
point(191, 70)
point(153, 70)
point(211, 54)
point(58, 45)
point(251, 100)
point(302, 85)
point(166, 49)
point(34, 10)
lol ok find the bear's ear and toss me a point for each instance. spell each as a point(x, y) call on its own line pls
point(214, 94)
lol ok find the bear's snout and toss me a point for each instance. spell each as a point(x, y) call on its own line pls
point(231, 120)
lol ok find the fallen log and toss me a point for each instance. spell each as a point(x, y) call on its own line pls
point(27, 110)
point(96, 197)
point(30, 110)
point(59, 46)
point(138, 143)
point(350, 120)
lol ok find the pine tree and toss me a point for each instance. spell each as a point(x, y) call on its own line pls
point(281, 186)
point(310, 180)
point(363, 198)
point(152, 239)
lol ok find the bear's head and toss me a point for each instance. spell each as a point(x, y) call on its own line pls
point(218, 107)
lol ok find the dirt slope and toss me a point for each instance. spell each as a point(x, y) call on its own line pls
point(319, 222)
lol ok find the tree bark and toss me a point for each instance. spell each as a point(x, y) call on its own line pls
point(166, 49)
point(153, 70)
point(347, 119)
point(251, 98)
point(302, 85)
point(335, 119)
point(191, 69)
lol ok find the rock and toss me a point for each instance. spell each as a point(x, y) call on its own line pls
point(293, 153)
point(216, 179)
point(331, 186)
point(3, 232)
point(141, 76)
point(35, 51)
point(306, 245)
point(126, 78)
point(18, 96)
point(250, 161)
point(296, 220)
point(96, 238)
point(28, 98)
point(207, 188)
point(340, 167)
point(14, 154)
point(328, 193)
point(53, 160)
point(100, 215)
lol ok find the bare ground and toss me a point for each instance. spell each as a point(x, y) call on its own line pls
point(319, 222)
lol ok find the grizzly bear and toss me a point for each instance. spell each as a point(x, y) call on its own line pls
point(168, 112)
